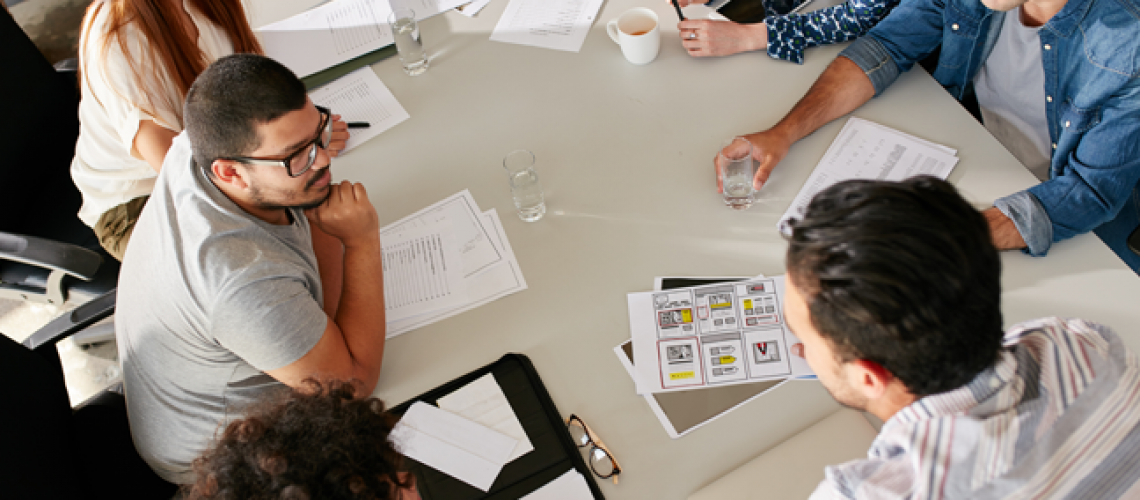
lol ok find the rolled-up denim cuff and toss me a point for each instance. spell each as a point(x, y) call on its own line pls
point(872, 57)
point(1031, 220)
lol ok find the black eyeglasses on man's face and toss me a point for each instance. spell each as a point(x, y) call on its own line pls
point(301, 160)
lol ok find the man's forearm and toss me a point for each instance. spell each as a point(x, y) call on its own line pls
point(360, 316)
point(839, 90)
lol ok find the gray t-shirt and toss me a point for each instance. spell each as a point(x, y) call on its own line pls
point(1011, 94)
point(209, 298)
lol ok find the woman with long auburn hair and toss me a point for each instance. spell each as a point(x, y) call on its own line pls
point(137, 60)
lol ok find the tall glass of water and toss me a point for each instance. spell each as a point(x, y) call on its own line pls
point(525, 188)
point(408, 43)
point(737, 172)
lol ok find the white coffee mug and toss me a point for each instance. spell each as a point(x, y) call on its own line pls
point(637, 34)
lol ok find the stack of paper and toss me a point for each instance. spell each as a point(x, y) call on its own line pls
point(470, 437)
point(449, 443)
point(443, 260)
point(338, 31)
point(867, 150)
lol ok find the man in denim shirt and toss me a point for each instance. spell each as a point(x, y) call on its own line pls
point(1089, 54)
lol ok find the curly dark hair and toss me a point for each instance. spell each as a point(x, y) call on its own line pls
point(318, 442)
point(904, 274)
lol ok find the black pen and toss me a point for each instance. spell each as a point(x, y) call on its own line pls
point(359, 124)
point(678, 7)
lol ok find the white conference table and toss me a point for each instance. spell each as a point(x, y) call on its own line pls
point(624, 153)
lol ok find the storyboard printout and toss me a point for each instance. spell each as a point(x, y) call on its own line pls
point(706, 336)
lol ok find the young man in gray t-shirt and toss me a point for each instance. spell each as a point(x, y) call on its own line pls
point(234, 283)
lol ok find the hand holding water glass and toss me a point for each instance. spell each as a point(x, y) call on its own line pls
point(736, 173)
point(525, 188)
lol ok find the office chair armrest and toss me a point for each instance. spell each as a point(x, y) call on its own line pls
point(79, 318)
point(63, 257)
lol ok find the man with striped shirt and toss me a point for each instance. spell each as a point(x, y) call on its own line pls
point(894, 289)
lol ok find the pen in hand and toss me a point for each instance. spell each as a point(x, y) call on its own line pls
point(359, 124)
point(678, 7)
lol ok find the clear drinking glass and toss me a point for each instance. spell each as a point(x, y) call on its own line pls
point(525, 188)
point(737, 172)
point(408, 43)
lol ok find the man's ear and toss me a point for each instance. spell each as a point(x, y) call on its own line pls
point(230, 173)
point(869, 378)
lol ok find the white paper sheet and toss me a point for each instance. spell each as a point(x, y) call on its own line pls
point(712, 335)
point(483, 401)
point(421, 271)
point(550, 24)
point(470, 230)
point(867, 150)
point(451, 444)
point(337, 32)
point(569, 486)
point(497, 282)
point(328, 35)
point(360, 96)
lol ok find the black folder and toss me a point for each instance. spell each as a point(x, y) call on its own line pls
point(554, 452)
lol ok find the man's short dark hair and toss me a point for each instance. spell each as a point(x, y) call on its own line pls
point(319, 442)
point(230, 98)
point(904, 274)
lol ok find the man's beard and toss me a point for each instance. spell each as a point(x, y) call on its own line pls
point(261, 202)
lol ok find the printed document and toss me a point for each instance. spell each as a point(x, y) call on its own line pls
point(498, 281)
point(483, 401)
point(712, 335)
point(867, 150)
point(453, 445)
point(471, 230)
point(421, 271)
point(550, 24)
point(360, 96)
point(569, 486)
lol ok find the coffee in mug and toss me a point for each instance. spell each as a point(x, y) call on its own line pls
point(637, 33)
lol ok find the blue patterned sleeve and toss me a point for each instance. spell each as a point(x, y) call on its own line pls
point(790, 35)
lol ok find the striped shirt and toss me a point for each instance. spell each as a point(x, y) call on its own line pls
point(1056, 417)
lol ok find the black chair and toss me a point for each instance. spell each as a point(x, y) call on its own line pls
point(53, 451)
point(46, 252)
point(1134, 241)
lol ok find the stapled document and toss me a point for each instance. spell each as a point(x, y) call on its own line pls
point(465, 450)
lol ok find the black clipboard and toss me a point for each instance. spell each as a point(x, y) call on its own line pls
point(554, 452)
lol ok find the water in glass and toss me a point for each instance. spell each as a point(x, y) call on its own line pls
point(527, 192)
point(409, 46)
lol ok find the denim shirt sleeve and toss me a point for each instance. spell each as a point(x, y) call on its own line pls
point(1094, 181)
point(911, 32)
point(789, 35)
point(1030, 219)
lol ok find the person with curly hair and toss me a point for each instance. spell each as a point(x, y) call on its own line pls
point(316, 442)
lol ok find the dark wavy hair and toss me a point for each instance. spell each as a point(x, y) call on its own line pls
point(904, 274)
point(319, 442)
